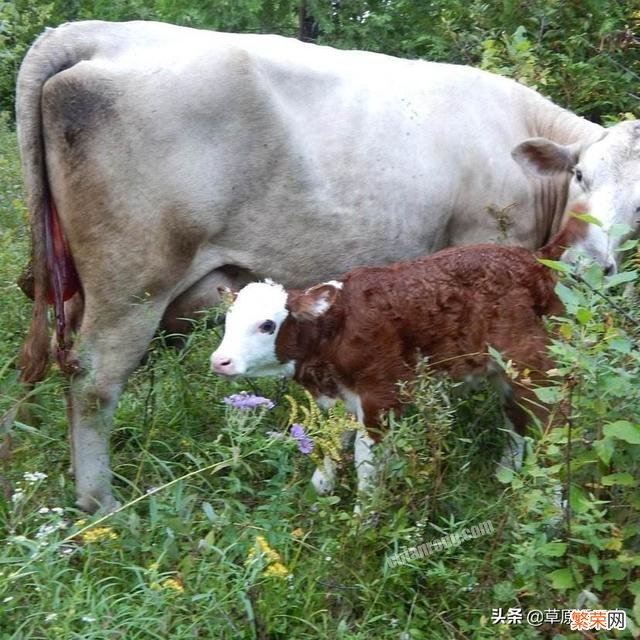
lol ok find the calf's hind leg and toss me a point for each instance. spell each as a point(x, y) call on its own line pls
point(109, 346)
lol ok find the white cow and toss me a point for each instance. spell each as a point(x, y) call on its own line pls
point(180, 159)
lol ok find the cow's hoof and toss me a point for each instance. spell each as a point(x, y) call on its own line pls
point(91, 504)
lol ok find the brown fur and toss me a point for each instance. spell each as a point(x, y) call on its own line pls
point(448, 306)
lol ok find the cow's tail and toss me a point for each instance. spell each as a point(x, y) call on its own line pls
point(54, 51)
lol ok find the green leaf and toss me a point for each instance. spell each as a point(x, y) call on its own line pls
point(623, 430)
point(623, 478)
point(209, 512)
point(555, 265)
point(504, 475)
point(548, 395)
point(619, 278)
point(623, 345)
point(618, 230)
point(562, 579)
point(553, 549)
point(593, 275)
point(604, 448)
point(583, 315)
point(578, 500)
point(569, 297)
point(585, 217)
point(628, 244)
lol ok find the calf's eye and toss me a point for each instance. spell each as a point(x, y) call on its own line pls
point(268, 326)
point(578, 175)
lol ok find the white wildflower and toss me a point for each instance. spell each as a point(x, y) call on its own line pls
point(57, 510)
point(48, 528)
point(43, 510)
point(50, 616)
point(34, 476)
point(17, 496)
point(88, 619)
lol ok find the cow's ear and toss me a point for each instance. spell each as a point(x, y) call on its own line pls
point(543, 157)
point(227, 295)
point(314, 302)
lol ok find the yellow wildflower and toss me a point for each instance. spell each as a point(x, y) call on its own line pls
point(298, 533)
point(98, 534)
point(326, 431)
point(173, 583)
point(275, 566)
point(276, 570)
point(271, 554)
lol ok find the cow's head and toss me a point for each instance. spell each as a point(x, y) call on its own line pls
point(605, 183)
point(254, 322)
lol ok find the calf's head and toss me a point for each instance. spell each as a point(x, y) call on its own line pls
point(605, 182)
point(262, 319)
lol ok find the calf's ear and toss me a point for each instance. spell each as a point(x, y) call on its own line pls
point(543, 157)
point(227, 295)
point(313, 302)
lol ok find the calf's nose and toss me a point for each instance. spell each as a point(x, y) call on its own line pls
point(223, 365)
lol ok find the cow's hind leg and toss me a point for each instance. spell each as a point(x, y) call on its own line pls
point(109, 346)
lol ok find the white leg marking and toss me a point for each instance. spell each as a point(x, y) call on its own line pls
point(513, 452)
point(365, 468)
point(324, 477)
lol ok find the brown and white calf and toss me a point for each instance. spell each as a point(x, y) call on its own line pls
point(356, 337)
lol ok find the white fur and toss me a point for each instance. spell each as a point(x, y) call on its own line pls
point(251, 351)
point(610, 192)
point(324, 477)
point(513, 453)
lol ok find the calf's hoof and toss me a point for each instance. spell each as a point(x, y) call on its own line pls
point(323, 483)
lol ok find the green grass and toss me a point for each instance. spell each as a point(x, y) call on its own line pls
point(199, 482)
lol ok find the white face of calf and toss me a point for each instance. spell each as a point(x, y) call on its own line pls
point(253, 322)
point(605, 183)
point(251, 326)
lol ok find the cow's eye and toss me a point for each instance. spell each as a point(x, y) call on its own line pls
point(578, 175)
point(268, 326)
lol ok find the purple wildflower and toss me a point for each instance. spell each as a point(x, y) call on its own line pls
point(246, 401)
point(304, 442)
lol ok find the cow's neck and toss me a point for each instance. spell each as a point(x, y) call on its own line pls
point(547, 120)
